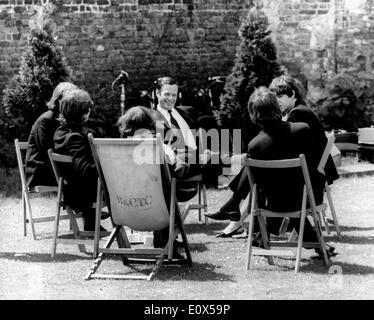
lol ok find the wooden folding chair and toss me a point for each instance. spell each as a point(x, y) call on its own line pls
point(259, 210)
point(21, 147)
point(80, 237)
point(131, 175)
point(201, 188)
point(321, 169)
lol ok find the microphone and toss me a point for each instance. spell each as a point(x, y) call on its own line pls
point(123, 77)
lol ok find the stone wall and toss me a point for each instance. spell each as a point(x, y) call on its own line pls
point(191, 39)
point(322, 37)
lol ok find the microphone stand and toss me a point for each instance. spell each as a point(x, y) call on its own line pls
point(122, 78)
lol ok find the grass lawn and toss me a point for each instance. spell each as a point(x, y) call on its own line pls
point(28, 272)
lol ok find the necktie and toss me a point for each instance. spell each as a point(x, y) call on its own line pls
point(177, 134)
point(173, 122)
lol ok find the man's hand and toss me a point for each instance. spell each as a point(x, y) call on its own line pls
point(204, 157)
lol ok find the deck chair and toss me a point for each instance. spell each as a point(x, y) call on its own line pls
point(80, 237)
point(321, 169)
point(131, 172)
point(28, 216)
point(259, 211)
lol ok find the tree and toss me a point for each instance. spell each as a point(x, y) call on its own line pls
point(42, 68)
point(255, 66)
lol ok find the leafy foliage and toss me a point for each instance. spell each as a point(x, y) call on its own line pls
point(255, 65)
point(42, 68)
point(348, 101)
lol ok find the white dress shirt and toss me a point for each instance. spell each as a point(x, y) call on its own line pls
point(188, 137)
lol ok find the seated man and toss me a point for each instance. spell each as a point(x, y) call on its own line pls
point(282, 140)
point(293, 107)
point(177, 126)
point(71, 139)
point(38, 167)
point(139, 122)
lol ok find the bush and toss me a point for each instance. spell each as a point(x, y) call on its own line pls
point(42, 68)
point(255, 65)
point(10, 182)
point(347, 102)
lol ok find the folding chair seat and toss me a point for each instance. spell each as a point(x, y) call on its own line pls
point(135, 178)
point(28, 216)
point(80, 237)
point(259, 210)
point(327, 189)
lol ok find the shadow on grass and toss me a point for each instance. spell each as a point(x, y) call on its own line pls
point(201, 272)
point(349, 228)
point(316, 266)
point(197, 272)
point(211, 229)
point(350, 239)
point(198, 247)
point(43, 257)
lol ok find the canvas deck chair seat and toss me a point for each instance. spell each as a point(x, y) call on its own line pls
point(255, 171)
point(28, 215)
point(80, 238)
point(142, 197)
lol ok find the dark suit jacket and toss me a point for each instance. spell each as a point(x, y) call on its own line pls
point(38, 167)
point(80, 190)
point(163, 124)
point(302, 113)
point(284, 140)
point(181, 170)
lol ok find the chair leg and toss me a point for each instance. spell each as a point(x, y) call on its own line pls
point(321, 241)
point(205, 203)
point(57, 219)
point(24, 215)
point(199, 195)
point(249, 240)
point(323, 213)
point(264, 237)
point(333, 213)
point(74, 227)
point(28, 204)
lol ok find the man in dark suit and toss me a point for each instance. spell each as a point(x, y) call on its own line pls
point(282, 140)
point(71, 139)
point(38, 167)
point(293, 108)
point(175, 124)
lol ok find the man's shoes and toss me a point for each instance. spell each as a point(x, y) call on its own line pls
point(91, 227)
point(257, 240)
point(329, 250)
point(104, 215)
point(224, 215)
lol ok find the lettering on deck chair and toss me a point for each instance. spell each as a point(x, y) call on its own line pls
point(135, 202)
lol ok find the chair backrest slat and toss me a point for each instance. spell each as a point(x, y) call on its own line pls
point(275, 164)
point(326, 153)
point(131, 170)
point(251, 164)
point(20, 161)
point(56, 159)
